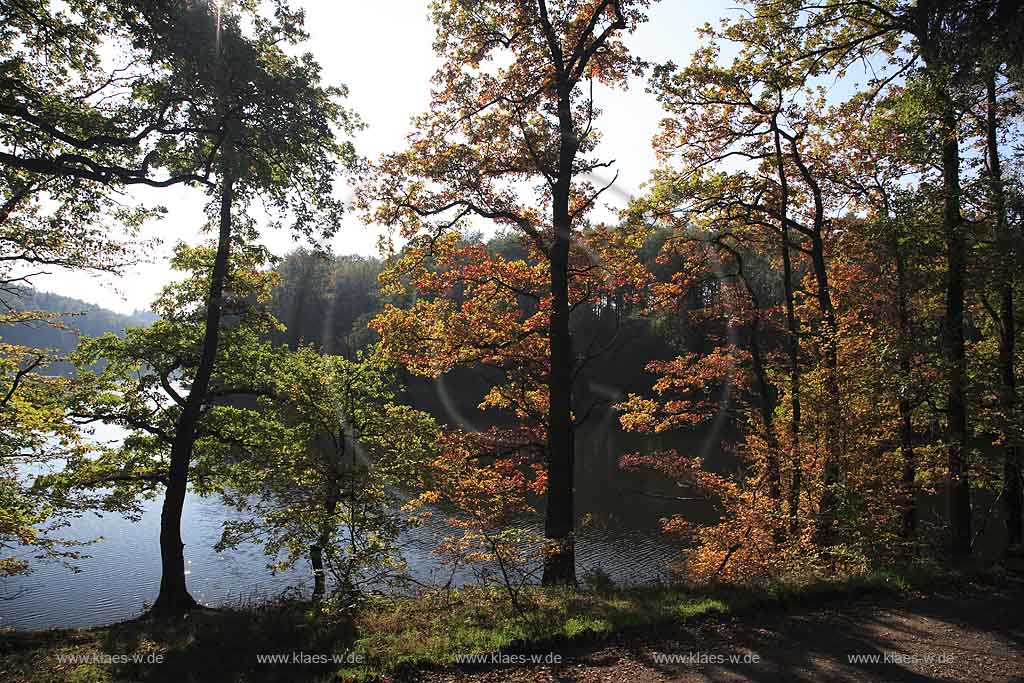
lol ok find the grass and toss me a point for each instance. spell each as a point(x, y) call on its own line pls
point(432, 629)
point(438, 629)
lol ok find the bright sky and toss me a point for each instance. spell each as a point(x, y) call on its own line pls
point(382, 51)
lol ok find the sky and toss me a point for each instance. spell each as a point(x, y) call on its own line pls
point(381, 50)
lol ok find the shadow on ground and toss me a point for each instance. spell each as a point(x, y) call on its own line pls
point(974, 636)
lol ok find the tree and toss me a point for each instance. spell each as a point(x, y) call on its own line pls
point(328, 301)
point(948, 38)
point(78, 121)
point(33, 433)
point(278, 143)
point(477, 308)
point(512, 116)
point(72, 133)
point(761, 111)
point(320, 472)
point(729, 113)
point(844, 190)
point(140, 382)
point(1003, 197)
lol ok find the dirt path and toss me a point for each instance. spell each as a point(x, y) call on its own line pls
point(974, 637)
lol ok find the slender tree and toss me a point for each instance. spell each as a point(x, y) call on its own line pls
point(261, 126)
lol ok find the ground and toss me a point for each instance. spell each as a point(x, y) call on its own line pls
point(882, 627)
point(975, 635)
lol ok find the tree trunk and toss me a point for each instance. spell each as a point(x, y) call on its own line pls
point(560, 554)
point(174, 597)
point(927, 28)
point(560, 520)
point(956, 405)
point(316, 558)
point(316, 551)
point(828, 510)
point(793, 329)
point(1007, 328)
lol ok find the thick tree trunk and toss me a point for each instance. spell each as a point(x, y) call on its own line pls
point(560, 515)
point(1011, 493)
point(174, 597)
point(959, 485)
point(559, 523)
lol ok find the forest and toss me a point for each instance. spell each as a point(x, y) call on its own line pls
point(817, 283)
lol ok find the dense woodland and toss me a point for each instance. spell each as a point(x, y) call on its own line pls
point(836, 277)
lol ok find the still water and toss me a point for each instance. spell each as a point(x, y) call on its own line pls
point(122, 571)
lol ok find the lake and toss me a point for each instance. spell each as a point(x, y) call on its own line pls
point(122, 573)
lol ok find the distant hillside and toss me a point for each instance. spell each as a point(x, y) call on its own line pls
point(82, 319)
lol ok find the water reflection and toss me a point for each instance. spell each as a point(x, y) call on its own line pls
point(122, 572)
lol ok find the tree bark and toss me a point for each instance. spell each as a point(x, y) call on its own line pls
point(927, 27)
point(174, 597)
point(828, 510)
point(559, 523)
point(316, 558)
point(560, 515)
point(793, 347)
point(959, 485)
